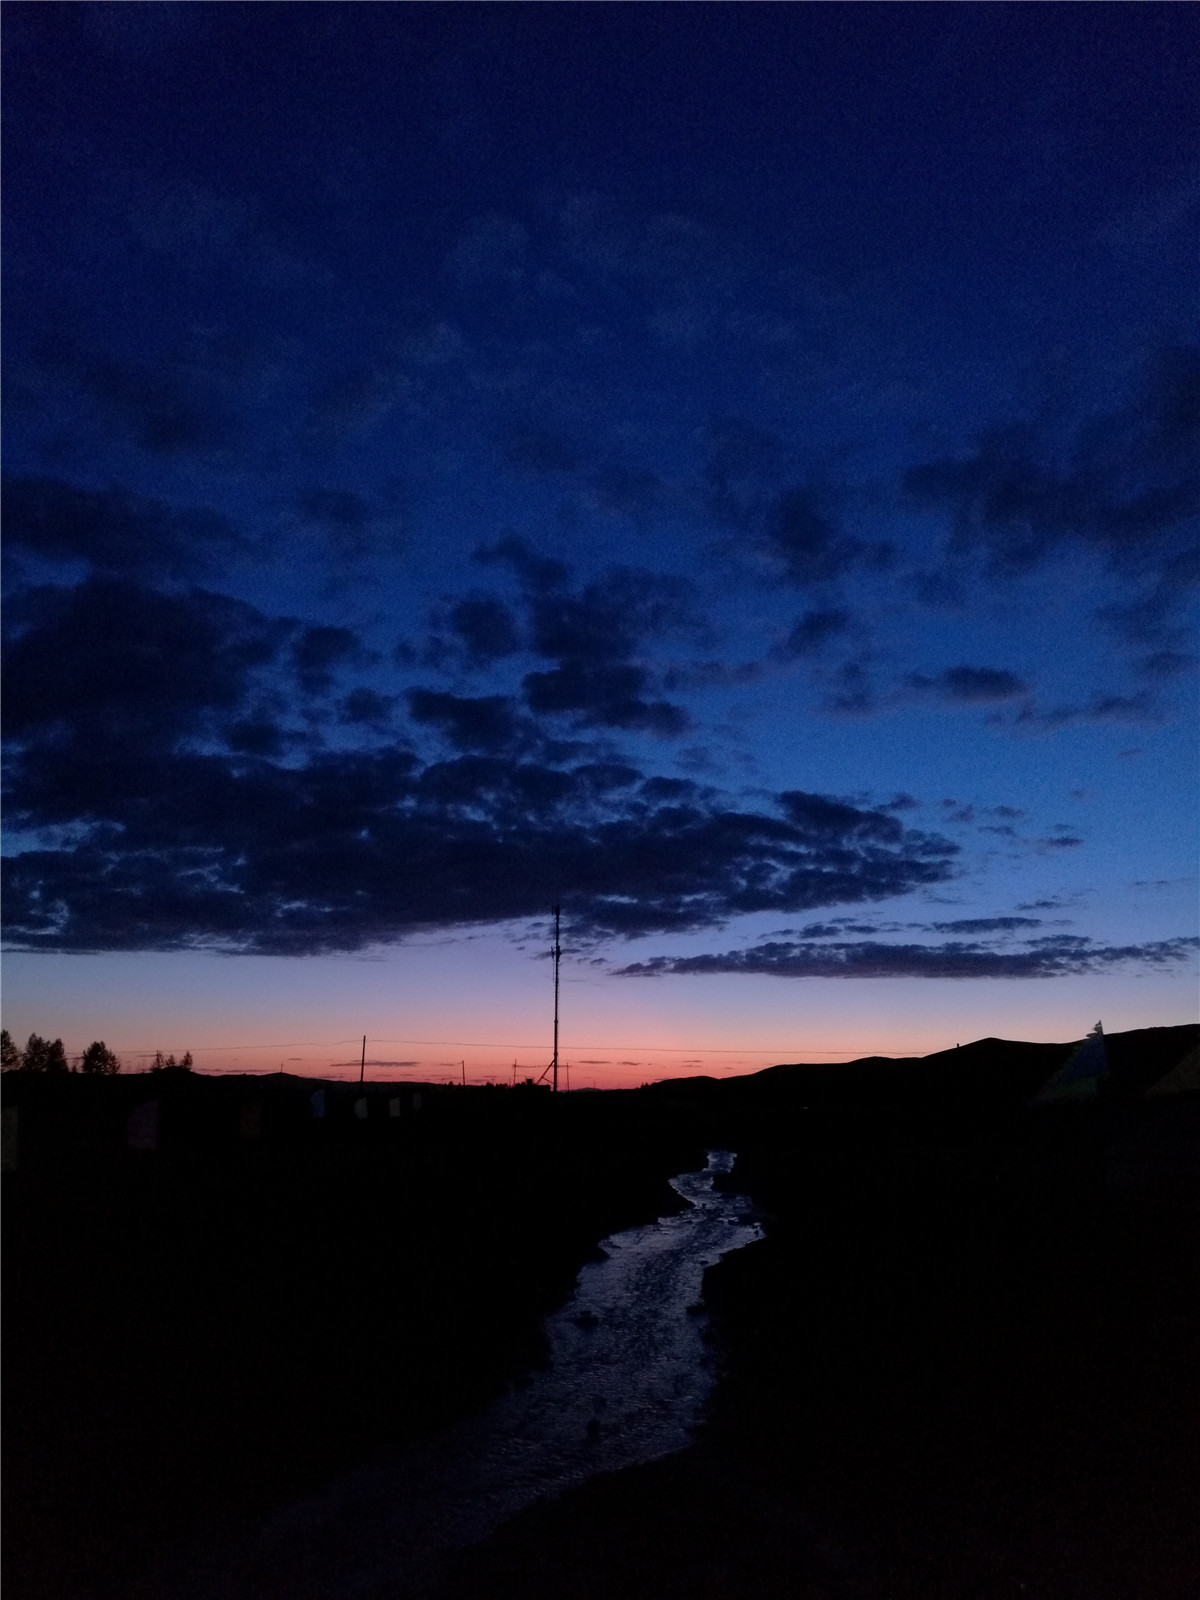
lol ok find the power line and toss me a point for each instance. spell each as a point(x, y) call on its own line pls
point(664, 1049)
point(488, 1044)
point(290, 1044)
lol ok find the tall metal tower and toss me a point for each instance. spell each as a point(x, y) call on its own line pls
point(557, 958)
point(557, 953)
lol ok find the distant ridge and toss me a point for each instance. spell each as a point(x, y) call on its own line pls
point(987, 1073)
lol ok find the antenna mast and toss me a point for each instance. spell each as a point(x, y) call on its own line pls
point(557, 957)
point(557, 953)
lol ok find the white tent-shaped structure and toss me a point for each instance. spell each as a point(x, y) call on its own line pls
point(1082, 1075)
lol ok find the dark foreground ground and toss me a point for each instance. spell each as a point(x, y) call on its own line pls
point(964, 1362)
point(196, 1334)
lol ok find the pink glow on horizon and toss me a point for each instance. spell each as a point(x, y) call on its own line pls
point(428, 1009)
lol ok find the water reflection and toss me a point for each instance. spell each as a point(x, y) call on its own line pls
point(629, 1368)
point(628, 1373)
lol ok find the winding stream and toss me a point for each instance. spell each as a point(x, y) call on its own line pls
point(628, 1373)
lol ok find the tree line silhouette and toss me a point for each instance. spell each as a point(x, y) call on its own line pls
point(49, 1056)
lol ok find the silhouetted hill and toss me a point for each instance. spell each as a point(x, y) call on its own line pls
point(987, 1075)
point(1139, 1058)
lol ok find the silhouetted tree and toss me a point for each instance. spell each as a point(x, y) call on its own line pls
point(10, 1055)
point(44, 1055)
point(99, 1058)
point(169, 1063)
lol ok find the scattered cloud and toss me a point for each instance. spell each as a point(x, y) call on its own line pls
point(957, 811)
point(486, 723)
point(1166, 664)
point(317, 651)
point(804, 538)
point(165, 407)
point(1056, 956)
point(604, 695)
point(815, 628)
point(1125, 482)
point(486, 627)
point(367, 708)
point(594, 635)
point(609, 618)
point(258, 736)
point(536, 571)
point(225, 386)
point(787, 519)
point(902, 802)
point(852, 693)
point(110, 664)
point(348, 522)
point(114, 531)
point(985, 924)
point(176, 848)
point(838, 928)
point(1137, 707)
point(1157, 617)
point(969, 685)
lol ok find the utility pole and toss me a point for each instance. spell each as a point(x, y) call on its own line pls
point(557, 957)
point(362, 1066)
point(552, 1069)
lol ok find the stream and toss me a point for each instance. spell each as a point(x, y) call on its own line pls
point(628, 1372)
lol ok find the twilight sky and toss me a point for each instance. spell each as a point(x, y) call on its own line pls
point(733, 469)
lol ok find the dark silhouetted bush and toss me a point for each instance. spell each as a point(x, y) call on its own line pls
point(169, 1064)
point(98, 1058)
point(44, 1055)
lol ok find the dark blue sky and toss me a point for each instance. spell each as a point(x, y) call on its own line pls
point(731, 467)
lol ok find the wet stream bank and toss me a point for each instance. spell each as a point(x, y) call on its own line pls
point(628, 1371)
point(198, 1336)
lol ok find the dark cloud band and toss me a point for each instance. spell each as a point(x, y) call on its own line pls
point(243, 854)
point(1056, 957)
